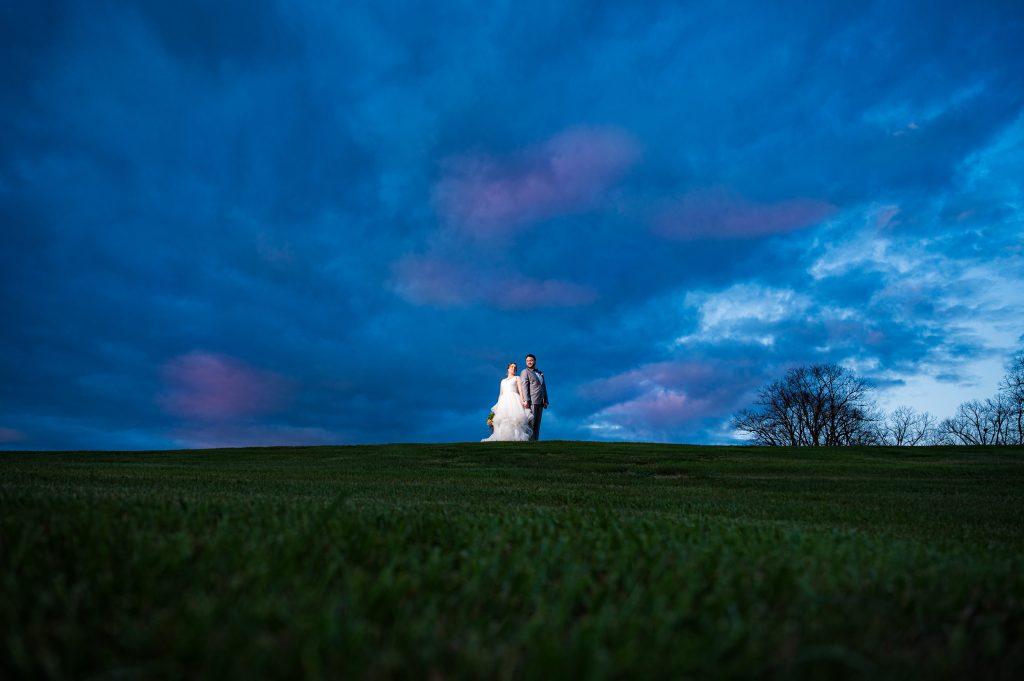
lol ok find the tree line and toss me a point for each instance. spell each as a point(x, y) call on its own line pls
point(826, 405)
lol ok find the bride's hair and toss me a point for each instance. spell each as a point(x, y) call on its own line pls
point(511, 364)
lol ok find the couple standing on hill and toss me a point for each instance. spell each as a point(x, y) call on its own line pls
point(521, 403)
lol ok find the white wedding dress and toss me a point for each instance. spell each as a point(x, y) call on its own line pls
point(511, 421)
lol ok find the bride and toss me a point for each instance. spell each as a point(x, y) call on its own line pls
point(511, 421)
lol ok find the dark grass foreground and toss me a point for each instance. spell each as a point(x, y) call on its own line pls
point(550, 560)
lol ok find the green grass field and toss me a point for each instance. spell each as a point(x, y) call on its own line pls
point(550, 559)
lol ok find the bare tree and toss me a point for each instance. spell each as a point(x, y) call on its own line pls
point(819, 405)
point(905, 427)
point(923, 430)
point(997, 420)
point(975, 422)
point(999, 417)
point(1012, 390)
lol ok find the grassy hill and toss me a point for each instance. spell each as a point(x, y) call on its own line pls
point(513, 561)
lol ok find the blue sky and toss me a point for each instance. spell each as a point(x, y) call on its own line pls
point(299, 223)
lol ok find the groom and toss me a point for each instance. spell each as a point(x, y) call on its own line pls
point(535, 393)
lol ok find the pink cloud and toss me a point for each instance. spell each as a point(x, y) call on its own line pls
point(658, 409)
point(11, 435)
point(430, 281)
point(637, 380)
point(649, 400)
point(213, 387)
point(720, 214)
point(487, 196)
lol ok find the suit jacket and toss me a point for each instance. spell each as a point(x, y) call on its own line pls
point(535, 388)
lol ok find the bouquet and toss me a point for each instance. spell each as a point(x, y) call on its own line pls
point(490, 420)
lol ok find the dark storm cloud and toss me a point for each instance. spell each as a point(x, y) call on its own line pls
point(271, 222)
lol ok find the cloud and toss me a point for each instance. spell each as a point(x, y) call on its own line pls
point(211, 35)
point(648, 418)
point(658, 409)
point(656, 400)
point(745, 312)
point(866, 290)
point(440, 283)
point(213, 387)
point(721, 214)
point(12, 435)
point(640, 379)
point(487, 196)
point(253, 435)
point(870, 250)
point(222, 187)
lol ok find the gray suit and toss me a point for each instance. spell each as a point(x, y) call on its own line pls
point(535, 392)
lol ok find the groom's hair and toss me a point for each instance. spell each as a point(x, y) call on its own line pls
point(534, 357)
